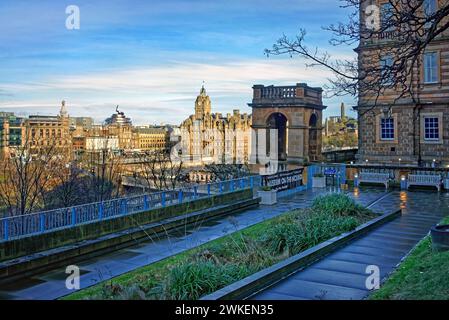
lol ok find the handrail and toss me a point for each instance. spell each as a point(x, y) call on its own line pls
point(14, 227)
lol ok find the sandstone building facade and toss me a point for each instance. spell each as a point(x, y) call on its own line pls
point(208, 137)
point(45, 131)
point(296, 113)
point(413, 129)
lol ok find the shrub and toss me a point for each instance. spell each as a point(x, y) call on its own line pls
point(282, 236)
point(191, 280)
point(338, 204)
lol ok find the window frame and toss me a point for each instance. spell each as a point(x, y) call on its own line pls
point(390, 130)
point(383, 65)
point(426, 5)
point(434, 130)
point(437, 67)
point(378, 129)
point(383, 16)
point(439, 116)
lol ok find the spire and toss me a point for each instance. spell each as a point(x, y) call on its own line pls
point(63, 110)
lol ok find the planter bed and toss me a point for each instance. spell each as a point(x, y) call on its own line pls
point(212, 266)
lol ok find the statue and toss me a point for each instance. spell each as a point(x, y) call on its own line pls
point(119, 112)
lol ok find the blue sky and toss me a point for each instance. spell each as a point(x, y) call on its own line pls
point(151, 57)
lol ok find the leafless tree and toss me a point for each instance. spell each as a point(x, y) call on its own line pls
point(27, 173)
point(161, 169)
point(410, 27)
point(103, 170)
point(67, 184)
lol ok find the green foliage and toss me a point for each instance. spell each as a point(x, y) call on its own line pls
point(338, 204)
point(347, 139)
point(296, 233)
point(191, 280)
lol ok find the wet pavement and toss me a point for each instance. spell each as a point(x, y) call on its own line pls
point(343, 274)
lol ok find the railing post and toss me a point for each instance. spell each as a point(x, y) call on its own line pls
point(208, 189)
point(73, 216)
point(124, 207)
point(6, 228)
point(221, 187)
point(100, 211)
point(163, 199)
point(195, 192)
point(180, 196)
point(251, 182)
point(231, 185)
point(242, 184)
point(146, 204)
point(41, 222)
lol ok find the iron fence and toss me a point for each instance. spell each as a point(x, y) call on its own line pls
point(41, 222)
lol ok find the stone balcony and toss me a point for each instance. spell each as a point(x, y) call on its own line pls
point(284, 96)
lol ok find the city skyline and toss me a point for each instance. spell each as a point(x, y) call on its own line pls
point(152, 66)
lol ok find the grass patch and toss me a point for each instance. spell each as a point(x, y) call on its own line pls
point(422, 276)
point(214, 265)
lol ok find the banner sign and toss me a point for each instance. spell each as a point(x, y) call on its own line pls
point(284, 180)
point(330, 171)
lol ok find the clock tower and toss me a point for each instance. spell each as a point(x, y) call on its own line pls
point(202, 104)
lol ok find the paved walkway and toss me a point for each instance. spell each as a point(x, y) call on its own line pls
point(51, 285)
point(342, 274)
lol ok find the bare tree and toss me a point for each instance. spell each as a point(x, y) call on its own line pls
point(68, 185)
point(408, 25)
point(161, 169)
point(27, 173)
point(103, 170)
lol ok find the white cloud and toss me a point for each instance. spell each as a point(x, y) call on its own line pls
point(163, 93)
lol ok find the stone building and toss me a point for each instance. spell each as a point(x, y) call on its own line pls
point(208, 137)
point(44, 131)
point(120, 126)
point(295, 113)
point(85, 123)
point(102, 143)
point(150, 138)
point(12, 131)
point(412, 129)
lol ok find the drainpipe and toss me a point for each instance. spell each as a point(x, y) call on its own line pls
point(417, 107)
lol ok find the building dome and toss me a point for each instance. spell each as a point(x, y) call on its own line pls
point(118, 118)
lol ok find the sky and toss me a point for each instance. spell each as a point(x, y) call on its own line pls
point(151, 57)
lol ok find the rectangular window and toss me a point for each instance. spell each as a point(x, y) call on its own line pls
point(386, 16)
point(431, 128)
point(386, 64)
point(430, 7)
point(431, 67)
point(387, 129)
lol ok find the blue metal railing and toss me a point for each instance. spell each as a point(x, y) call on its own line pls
point(337, 170)
point(41, 222)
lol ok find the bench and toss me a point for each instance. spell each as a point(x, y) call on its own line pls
point(424, 180)
point(370, 177)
